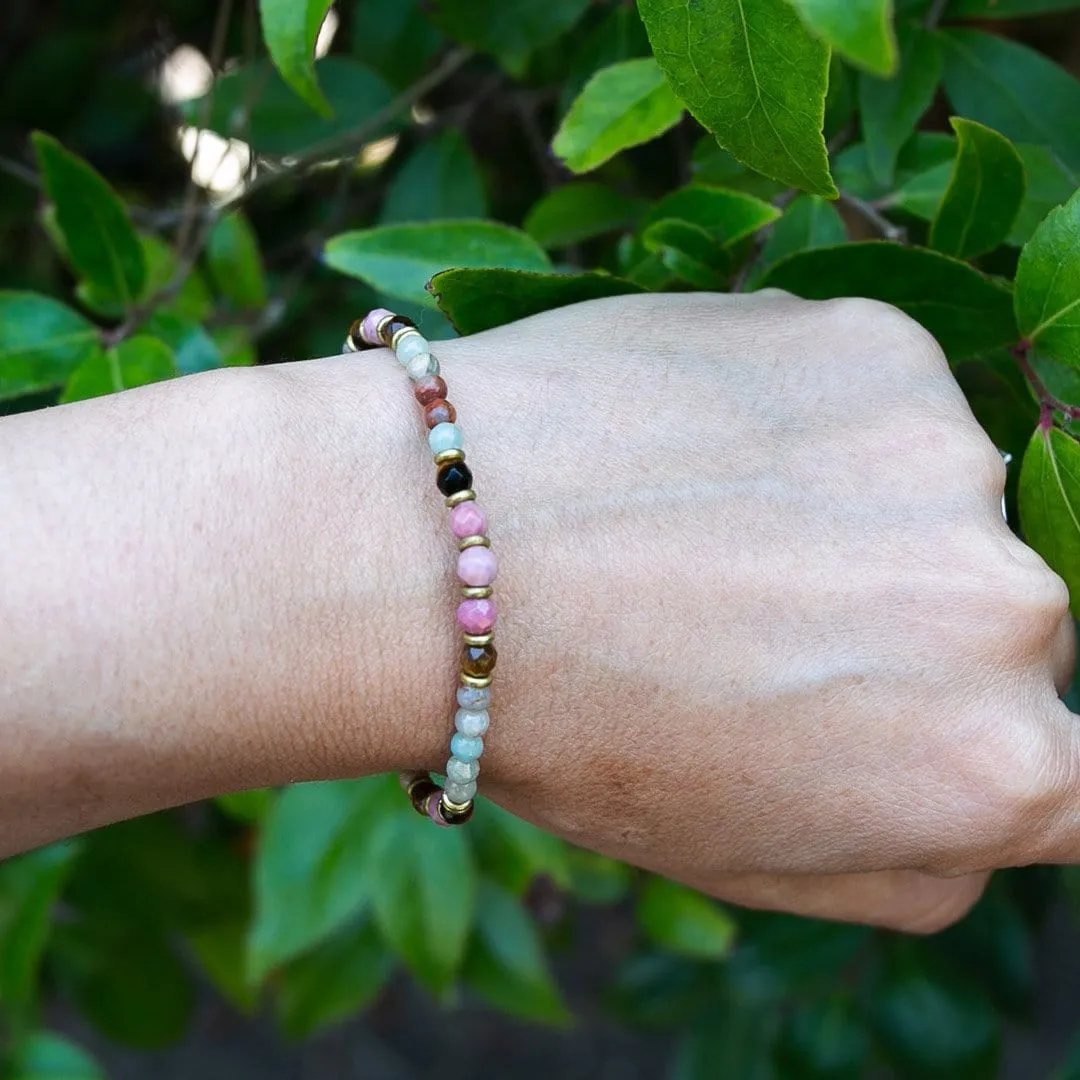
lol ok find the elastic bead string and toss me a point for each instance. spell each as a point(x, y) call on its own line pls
point(477, 566)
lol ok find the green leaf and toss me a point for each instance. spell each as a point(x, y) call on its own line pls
point(290, 28)
point(809, 222)
point(728, 216)
point(439, 180)
point(506, 964)
point(395, 38)
point(754, 76)
point(476, 300)
point(689, 252)
point(45, 1056)
point(921, 195)
point(891, 109)
point(824, 1040)
point(509, 31)
point(1014, 90)
point(1006, 9)
point(423, 894)
point(250, 807)
point(967, 312)
point(253, 103)
point(194, 349)
point(98, 236)
point(576, 212)
point(623, 105)
point(514, 852)
point(136, 362)
point(1070, 1067)
point(734, 1039)
point(860, 30)
point(596, 879)
point(29, 887)
point(399, 260)
point(41, 343)
point(684, 921)
point(221, 949)
point(930, 1023)
point(232, 256)
point(1048, 285)
point(1049, 184)
point(334, 981)
point(312, 870)
point(984, 195)
point(1050, 504)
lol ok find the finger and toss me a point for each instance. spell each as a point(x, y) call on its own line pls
point(895, 899)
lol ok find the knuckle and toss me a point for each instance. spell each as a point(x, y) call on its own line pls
point(947, 908)
point(974, 457)
point(1034, 601)
point(880, 326)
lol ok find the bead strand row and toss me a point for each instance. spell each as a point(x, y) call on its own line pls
point(477, 566)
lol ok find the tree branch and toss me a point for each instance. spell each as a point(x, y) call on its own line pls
point(871, 214)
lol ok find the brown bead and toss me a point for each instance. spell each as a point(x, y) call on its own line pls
point(355, 337)
point(430, 388)
point(392, 326)
point(478, 660)
point(439, 412)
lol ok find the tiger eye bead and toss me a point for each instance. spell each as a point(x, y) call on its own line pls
point(439, 412)
point(430, 388)
point(453, 477)
point(478, 660)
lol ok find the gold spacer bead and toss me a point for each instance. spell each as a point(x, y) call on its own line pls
point(349, 346)
point(381, 323)
point(478, 639)
point(395, 341)
point(473, 541)
point(476, 683)
point(455, 813)
point(444, 457)
point(476, 592)
point(459, 497)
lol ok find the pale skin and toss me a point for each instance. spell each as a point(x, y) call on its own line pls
point(762, 626)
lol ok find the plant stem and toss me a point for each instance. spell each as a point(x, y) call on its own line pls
point(871, 214)
point(1048, 403)
point(933, 16)
point(20, 172)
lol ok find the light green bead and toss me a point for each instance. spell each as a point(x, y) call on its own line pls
point(462, 772)
point(411, 345)
point(466, 747)
point(421, 365)
point(460, 793)
point(444, 437)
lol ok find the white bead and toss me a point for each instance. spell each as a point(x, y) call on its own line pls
point(462, 772)
point(411, 344)
point(420, 365)
point(471, 723)
point(460, 793)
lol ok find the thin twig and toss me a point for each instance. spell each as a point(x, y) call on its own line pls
point(870, 213)
point(20, 172)
point(1048, 402)
point(933, 16)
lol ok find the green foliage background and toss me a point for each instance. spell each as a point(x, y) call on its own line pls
point(519, 155)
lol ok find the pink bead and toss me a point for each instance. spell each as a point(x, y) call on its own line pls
point(476, 616)
point(477, 566)
point(369, 328)
point(433, 811)
point(468, 519)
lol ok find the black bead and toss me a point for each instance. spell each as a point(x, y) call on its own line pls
point(453, 477)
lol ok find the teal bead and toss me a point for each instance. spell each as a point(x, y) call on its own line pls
point(444, 437)
point(466, 747)
point(411, 345)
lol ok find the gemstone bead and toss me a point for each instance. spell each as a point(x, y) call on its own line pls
point(471, 723)
point(453, 477)
point(421, 365)
point(411, 345)
point(468, 519)
point(477, 566)
point(478, 660)
point(476, 616)
point(398, 322)
point(466, 747)
point(430, 388)
point(435, 812)
point(469, 697)
point(439, 412)
point(369, 328)
point(462, 772)
point(444, 437)
point(460, 793)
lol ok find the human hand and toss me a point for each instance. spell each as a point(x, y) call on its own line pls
point(763, 628)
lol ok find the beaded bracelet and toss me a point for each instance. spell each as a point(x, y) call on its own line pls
point(452, 804)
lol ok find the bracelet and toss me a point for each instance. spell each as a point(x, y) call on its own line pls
point(452, 804)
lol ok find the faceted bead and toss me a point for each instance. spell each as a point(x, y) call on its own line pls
point(422, 365)
point(476, 616)
point(477, 566)
point(462, 772)
point(478, 660)
point(369, 328)
point(430, 388)
point(398, 322)
point(471, 723)
point(411, 345)
point(444, 437)
point(469, 697)
point(453, 477)
point(439, 412)
point(468, 519)
point(460, 793)
point(466, 747)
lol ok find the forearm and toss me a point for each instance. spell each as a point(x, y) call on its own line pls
point(217, 583)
